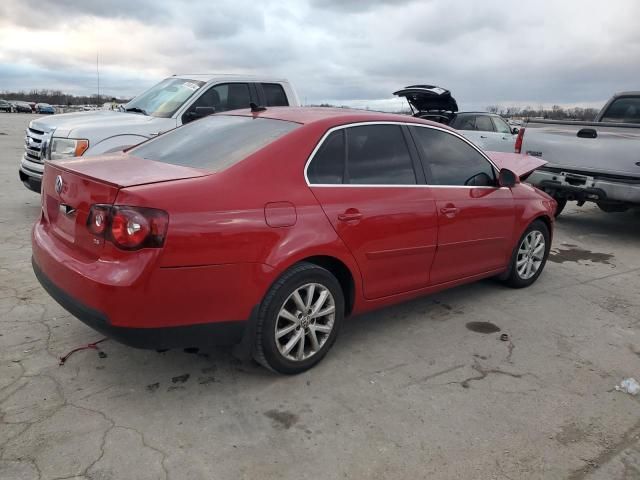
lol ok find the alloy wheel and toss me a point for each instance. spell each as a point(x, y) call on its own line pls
point(530, 254)
point(305, 322)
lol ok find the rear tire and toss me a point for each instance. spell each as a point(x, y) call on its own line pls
point(299, 319)
point(530, 255)
point(562, 202)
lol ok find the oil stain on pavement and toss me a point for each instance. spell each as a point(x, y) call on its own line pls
point(482, 327)
point(576, 254)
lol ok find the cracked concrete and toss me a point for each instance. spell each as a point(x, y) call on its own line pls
point(407, 392)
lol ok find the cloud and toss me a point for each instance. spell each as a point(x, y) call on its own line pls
point(346, 52)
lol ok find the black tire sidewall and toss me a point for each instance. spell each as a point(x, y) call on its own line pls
point(562, 202)
point(269, 314)
point(516, 280)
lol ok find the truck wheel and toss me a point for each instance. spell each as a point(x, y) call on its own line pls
point(612, 207)
point(299, 319)
point(562, 202)
point(530, 255)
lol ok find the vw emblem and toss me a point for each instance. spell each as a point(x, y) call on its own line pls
point(59, 184)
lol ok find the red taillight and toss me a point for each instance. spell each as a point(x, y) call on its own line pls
point(129, 228)
point(519, 140)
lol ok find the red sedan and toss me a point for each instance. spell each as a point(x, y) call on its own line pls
point(268, 228)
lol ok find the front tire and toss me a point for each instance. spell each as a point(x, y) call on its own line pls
point(530, 255)
point(299, 319)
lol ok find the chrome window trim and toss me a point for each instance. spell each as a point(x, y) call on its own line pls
point(408, 124)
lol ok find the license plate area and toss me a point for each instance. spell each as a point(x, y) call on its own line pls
point(576, 180)
point(62, 219)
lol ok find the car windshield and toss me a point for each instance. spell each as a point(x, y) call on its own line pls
point(215, 142)
point(165, 98)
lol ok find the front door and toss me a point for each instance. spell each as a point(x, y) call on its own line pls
point(476, 218)
point(372, 190)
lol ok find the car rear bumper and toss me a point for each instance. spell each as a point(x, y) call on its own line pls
point(593, 189)
point(219, 333)
point(140, 304)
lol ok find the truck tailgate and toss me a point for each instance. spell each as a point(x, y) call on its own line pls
point(613, 149)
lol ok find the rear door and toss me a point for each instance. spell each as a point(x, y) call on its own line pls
point(369, 183)
point(475, 217)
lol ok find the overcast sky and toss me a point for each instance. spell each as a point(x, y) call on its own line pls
point(345, 52)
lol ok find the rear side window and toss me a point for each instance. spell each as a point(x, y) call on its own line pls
point(484, 124)
point(215, 142)
point(623, 110)
point(464, 122)
point(327, 166)
point(374, 155)
point(275, 95)
point(453, 161)
point(378, 155)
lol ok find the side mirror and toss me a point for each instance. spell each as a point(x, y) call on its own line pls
point(200, 112)
point(515, 130)
point(506, 178)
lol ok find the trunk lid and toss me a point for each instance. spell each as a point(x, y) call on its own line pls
point(521, 165)
point(71, 187)
point(428, 98)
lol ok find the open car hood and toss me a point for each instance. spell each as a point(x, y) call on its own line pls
point(425, 98)
point(520, 164)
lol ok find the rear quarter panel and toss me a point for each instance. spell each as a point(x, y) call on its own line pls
point(220, 219)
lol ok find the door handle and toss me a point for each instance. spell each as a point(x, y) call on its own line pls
point(483, 136)
point(350, 215)
point(449, 211)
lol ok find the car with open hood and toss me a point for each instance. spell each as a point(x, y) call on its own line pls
point(487, 130)
point(267, 227)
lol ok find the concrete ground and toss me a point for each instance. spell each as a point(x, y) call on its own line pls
point(408, 392)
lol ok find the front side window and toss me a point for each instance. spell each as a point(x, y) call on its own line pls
point(275, 96)
point(501, 125)
point(214, 142)
point(165, 98)
point(225, 96)
point(453, 161)
point(623, 110)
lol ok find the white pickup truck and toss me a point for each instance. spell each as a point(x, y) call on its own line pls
point(172, 102)
point(595, 161)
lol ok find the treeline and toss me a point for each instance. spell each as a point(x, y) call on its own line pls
point(56, 97)
point(556, 112)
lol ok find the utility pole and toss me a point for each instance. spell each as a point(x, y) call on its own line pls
point(98, 75)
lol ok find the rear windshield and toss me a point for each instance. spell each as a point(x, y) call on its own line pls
point(214, 143)
point(623, 110)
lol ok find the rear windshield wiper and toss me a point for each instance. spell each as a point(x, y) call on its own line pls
point(136, 110)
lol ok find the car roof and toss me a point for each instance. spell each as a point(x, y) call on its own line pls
point(229, 77)
point(335, 116)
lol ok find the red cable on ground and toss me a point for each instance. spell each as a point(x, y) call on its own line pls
point(90, 346)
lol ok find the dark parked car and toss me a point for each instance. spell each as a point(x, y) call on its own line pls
point(5, 106)
point(22, 107)
point(269, 227)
